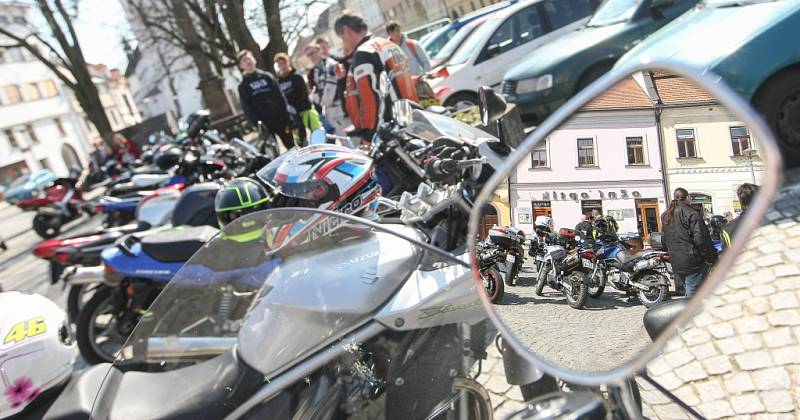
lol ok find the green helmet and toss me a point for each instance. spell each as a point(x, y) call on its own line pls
point(238, 197)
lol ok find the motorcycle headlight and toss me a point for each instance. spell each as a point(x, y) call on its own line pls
point(536, 84)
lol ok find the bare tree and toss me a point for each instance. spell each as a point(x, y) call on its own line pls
point(64, 58)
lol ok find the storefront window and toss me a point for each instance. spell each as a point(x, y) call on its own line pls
point(702, 203)
point(541, 208)
point(588, 205)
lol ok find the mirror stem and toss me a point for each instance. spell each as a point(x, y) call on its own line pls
point(671, 396)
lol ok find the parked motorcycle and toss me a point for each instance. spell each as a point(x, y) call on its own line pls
point(490, 256)
point(566, 272)
point(64, 204)
point(510, 240)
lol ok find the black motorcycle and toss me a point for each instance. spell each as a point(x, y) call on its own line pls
point(490, 256)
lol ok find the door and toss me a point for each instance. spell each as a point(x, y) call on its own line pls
point(649, 220)
point(487, 221)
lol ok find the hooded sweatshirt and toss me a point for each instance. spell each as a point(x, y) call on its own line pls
point(294, 87)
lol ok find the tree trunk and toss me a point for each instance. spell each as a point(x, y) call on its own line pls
point(210, 86)
point(233, 13)
point(276, 42)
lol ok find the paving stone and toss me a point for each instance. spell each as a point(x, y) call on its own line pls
point(731, 345)
point(754, 360)
point(778, 337)
point(783, 300)
point(704, 351)
point(768, 260)
point(688, 395)
point(752, 324)
point(772, 247)
point(762, 289)
point(752, 341)
point(670, 412)
point(740, 282)
point(716, 409)
point(784, 317)
point(727, 312)
point(787, 270)
point(721, 330)
point(772, 378)
point(679, 357)
point(670, 381)
point(786, 356)
point(691, 372)
point(739, 383)
point(746, 404)
point(497, 385)
point(703, 319)
point(694, 336)
point(657, 368)
point(778, 401)
point(710, 391)
point(655, 397)
point(769, 416)
point(515, 394)
point(758, 306)
point(717, 365)
point(736, 297)
point(791, 283)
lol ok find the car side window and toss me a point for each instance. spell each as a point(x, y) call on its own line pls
point(502, 40)
point(529, 25)
point(563, 12)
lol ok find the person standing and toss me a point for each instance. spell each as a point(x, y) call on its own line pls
point(418, 61)
point(688, 242)
point(262, 99)
point(296, 91)
point(125, 151)
point(373, 57)
point(327, 87)
point(584, 227)
point(745, 193)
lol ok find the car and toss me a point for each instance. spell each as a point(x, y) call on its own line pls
point(507, 36)
point(28, 185)
point(547, 78)
point(458, 39)
point(749, 51)
point(421, 31)
point(436, 40)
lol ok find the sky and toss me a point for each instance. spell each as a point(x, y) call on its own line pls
point(101, 26)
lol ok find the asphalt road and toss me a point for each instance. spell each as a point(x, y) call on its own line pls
point(600, 337)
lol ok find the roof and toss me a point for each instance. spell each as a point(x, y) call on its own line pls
point(627, 94)
point(676, 90)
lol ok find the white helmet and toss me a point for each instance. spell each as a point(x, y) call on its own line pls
point(544, 222)
point(37, 349)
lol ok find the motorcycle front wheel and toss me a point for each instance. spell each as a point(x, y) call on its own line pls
point(46, 227)
point(493, 282)
point(79, 295)
point(98, 334)
point(596, 285)
point(576, 297)
point(541, 278)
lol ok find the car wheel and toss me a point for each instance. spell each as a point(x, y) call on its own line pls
point(461, 101)
point(778, 101)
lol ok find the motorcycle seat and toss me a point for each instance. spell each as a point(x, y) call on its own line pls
point(76, 399)
point(626, 256)
point(177, 245)
point(658, 317)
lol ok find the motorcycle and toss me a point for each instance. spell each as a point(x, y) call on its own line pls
point(643, 273)
point(567, 272)
point(510, 240)
point(490, 256)
point(64, 204)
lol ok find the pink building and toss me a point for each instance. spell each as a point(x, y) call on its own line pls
point(606, 158)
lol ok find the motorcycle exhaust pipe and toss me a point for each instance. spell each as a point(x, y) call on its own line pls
point(84, 275)
point(161, 348)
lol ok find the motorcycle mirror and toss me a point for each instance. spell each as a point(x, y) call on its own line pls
point(490, 105)
point(401, 110)
point(611, 160)
point(319, 136)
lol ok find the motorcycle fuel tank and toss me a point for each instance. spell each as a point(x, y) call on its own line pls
point(318, 296)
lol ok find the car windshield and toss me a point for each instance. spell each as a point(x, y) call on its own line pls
point(614, 11)
point(247, 292)
point(724, 3)
point(474, 42)
point(455, 41)
point(434, 41)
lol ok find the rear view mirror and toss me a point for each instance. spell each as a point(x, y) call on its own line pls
point(490, 105)
point(604, 167)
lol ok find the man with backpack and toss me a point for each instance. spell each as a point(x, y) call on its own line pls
point(418, 61)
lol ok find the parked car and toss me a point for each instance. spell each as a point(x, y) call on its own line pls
point(506, 37)
point(458, 39)
point(436, 40)
point(749, 51)
point(421, 31)
point(28, 185)
point(547, 78)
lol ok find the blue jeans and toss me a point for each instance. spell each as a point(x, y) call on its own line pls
point(691, 281)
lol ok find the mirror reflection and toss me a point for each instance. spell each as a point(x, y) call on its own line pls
point(625, 206)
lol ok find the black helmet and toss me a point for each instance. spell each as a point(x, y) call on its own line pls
point(238, 197)
point(717, 223)
point(168, 157)
point(196, 122)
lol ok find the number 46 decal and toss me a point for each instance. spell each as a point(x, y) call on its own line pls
point(27, 329)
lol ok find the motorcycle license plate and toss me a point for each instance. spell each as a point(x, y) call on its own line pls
point(588, 264)
point(669, 266)
point(511, 258)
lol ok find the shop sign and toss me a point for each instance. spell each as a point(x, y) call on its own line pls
point(591, 194)
point(524, 215)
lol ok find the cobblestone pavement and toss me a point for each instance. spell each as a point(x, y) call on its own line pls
point(609, 328)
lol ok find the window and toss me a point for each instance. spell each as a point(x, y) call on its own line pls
point(502, 40)
point(12, 94)
point(60, 126)
point(529, 24)
point(31, 134)
point(12, 139)
point(740, 140)
point(563, 12)
point(539, 155)
point(686, 143)
point(31, 91)
point(635, 147)
point(48, 89)
point(586, 152)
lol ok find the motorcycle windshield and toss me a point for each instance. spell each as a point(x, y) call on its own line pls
point(430, 126)
point(270, 291)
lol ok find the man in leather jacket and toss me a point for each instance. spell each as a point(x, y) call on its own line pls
point(745, 193)
point(686, 238)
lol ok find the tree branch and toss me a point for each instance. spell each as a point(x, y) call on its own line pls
point(35, 51)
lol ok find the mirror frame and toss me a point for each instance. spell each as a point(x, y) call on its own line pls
point(773, 169)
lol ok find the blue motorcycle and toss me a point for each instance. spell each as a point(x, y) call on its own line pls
point(136, 270)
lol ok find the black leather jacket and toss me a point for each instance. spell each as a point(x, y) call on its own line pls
point(687, 240)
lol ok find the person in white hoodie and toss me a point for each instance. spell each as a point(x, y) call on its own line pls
point(418, 61)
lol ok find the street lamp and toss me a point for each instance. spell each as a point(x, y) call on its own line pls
point(750, 153)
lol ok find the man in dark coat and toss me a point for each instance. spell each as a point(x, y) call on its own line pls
point(686, 238)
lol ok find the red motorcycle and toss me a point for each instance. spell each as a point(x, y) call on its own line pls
point(62, 204)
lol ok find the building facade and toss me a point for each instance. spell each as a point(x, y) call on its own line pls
point(706, 149)
point(40, 126)
point(370, 10)
point(604, 158)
